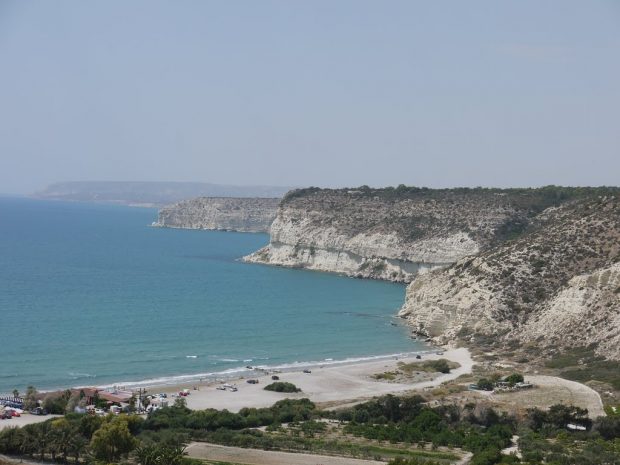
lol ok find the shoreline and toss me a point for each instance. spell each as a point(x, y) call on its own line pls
point(343, 383)
point(238, 372)
point(243, 372)
point(339, 384)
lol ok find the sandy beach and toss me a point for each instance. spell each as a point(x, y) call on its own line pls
point(25, 419)
point(330, 384)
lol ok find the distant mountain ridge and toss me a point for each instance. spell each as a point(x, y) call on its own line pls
point(145, 193)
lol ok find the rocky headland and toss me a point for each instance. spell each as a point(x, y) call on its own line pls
point(394, 233)
point(220, 213)
point(511, 266)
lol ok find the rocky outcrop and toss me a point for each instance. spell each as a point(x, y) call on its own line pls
point(557, 285)
point(395, 233)
point(223, 213)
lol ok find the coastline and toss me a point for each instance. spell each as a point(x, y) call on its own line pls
point(334, 384)
point(252, 370)
point(330, 386)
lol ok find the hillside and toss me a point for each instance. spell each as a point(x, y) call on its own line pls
point(557, 285)
point(223, 213)
point(398, 233)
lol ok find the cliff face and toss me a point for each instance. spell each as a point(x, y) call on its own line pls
point(557, 285)
point(224, 213)
point(393, 234)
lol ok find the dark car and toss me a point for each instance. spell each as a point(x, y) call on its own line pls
point(38, 411)
point(275, 377)
point(307, 371)
point(252, 381)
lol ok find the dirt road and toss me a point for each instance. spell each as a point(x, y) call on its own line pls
point(200, 450)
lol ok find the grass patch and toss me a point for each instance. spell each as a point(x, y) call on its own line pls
point(432, 366)
point(607, 371)
point(583, 365)
point(387, 376)
point(573, 357)
point(390, 452)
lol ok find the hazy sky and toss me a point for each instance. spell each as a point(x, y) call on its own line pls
point(328, 93)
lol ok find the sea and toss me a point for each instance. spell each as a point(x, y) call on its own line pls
point(92, 295)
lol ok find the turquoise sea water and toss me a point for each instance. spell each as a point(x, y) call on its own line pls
point(90, 295)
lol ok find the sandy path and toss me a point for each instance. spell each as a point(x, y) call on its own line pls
point(23, 461)
point(553, 390)
point(200, 450)
point(25, 419)
point(330, 384)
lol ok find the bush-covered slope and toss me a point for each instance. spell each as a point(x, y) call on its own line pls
point(557, 284)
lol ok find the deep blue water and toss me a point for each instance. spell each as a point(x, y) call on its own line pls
point(90, 295)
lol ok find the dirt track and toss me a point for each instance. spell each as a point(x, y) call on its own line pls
point(239, 455)
point(553, 390)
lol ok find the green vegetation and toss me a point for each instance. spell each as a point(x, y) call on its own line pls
point(582, 364)
point(399, 429)
point(159, 454)
point(532, 200)
point(514, 378)
point(607, 371)
point(282, 386)
point(433, 366)
point(387, 375)
point(485, 384)
point(408, 369)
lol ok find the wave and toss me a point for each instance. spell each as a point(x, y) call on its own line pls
point(75, 375)
point(241, 370)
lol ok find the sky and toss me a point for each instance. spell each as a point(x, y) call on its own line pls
point(316, 92)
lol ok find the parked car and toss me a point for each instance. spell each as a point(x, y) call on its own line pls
point(38, 411)
point(307, 371)
point(275, 377)
point(252, 381)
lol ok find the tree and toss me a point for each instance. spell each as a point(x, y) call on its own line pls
point(77, 446)
point(485, 384)
point(560, 415)
point(180, 403)
point(11, 441)
point(514, 379)
point(62, 433)
point(30, 399)
point(15, 393)
point(113, 440)
point(608, 427)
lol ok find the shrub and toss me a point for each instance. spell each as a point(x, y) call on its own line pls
point(514, 378)
point(485, 384)
point(282, 386)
